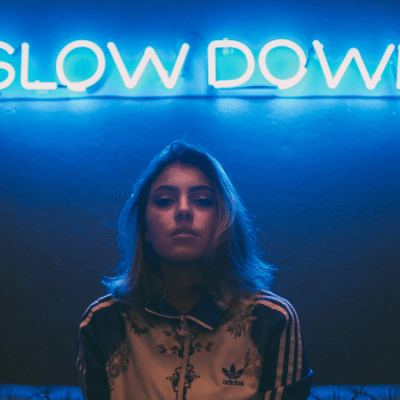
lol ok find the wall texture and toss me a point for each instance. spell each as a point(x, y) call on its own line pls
point(320, 175)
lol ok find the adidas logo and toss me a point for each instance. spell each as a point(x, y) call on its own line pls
point(233, 375)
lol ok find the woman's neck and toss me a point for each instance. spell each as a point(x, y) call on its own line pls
point(184, 284)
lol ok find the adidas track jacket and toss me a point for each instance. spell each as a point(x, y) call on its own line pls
point(248, 349)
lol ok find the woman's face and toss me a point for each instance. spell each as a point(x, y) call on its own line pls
point(181, 213)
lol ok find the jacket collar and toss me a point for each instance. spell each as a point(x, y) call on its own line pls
point(208, 312)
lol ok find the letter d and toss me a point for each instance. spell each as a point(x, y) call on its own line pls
point(212, 76)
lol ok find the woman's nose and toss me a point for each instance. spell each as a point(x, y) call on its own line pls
point(184, 210)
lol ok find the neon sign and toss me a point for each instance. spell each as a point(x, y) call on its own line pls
point(175, 81)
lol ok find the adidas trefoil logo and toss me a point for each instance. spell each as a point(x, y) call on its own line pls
point(233, 375)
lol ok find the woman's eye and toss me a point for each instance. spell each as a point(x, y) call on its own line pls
point(204, 202)
point(163, 202)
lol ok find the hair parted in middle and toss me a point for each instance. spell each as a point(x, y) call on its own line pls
point(234, 258)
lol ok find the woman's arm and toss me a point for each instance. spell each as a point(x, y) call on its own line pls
point(101, 330)
point(91, 369)
point(285, 374)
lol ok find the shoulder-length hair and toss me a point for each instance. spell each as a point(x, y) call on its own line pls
point(235, 259)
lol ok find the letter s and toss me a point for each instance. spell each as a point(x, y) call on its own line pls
point(6, 66)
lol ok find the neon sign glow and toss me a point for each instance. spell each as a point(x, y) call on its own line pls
point(175, 82)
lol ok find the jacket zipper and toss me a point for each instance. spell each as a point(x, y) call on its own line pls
point(184, 330)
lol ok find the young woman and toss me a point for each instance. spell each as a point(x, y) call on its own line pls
point(188, 314)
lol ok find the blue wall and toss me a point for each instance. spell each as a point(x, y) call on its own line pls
point(321, 175)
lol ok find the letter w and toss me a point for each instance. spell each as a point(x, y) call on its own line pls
point(333, 81)
point(149, 55)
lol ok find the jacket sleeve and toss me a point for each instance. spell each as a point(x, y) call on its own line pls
point(90, 364)
point(285, 373)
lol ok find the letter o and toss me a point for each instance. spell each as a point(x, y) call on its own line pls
point(282, 83)
point(82, 85)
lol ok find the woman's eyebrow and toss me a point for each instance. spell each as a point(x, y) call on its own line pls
point(176, 189)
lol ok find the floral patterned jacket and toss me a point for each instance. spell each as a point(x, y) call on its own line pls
point(241, 349)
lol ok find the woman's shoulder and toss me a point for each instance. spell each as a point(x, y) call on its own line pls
point(273, 314)
point(104, 307)
point(271, 302)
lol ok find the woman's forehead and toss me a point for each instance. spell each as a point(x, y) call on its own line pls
point(181, 176)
